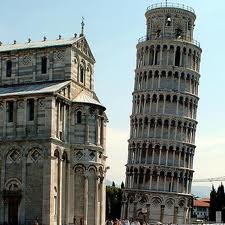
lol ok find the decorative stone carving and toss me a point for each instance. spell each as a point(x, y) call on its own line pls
point(156, 201)
point(34, 156)
point(79, 155)
point(26, 60)
point(59, 56)
point(14, 157)
point(41, 103)
point(1, 106)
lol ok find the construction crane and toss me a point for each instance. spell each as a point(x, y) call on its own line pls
point(209, 179)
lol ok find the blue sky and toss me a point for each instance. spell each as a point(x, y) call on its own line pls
point(112, 29)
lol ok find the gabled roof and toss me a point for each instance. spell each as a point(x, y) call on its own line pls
point(78, 42)
point(38, 44)
point(28, 89)
point(82, 97)
point(199, 203)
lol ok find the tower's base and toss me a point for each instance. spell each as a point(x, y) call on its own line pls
point(153, 207)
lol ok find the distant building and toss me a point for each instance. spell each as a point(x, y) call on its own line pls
point(201, 208)
point(52, 134)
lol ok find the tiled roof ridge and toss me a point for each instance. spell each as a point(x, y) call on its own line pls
point(38, 44)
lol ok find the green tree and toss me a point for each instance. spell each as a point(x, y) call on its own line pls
point(113, 184)
point(122, 185)
point(220, 201)
point(212, 207)
point(113, 202)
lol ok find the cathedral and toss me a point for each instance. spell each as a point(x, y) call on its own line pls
point(52, 134)
point(161, 150)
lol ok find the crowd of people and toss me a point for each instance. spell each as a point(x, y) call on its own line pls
point(124, 222)
point(127, 222)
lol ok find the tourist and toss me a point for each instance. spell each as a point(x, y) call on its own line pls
point(126, 222)
point(132, 222)
point(109, 222)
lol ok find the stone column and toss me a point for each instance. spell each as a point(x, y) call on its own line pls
point(146, 155)
point(122, 210)
point(60, 191)
point(25, 117)
point(150, 105)
point(47, 203)
point(144, 107)
point(178, 184)
point(149, 127)
point(34, 66)
point(85, 199)
point(64, 124)
point(15, 118)
point(157, 105)
point(97, 132)
point(50, 65)
point(185, 215)
point(87, 129)
point(102, 204)
point(162, 213)
point(162, 130)
point(159, 81)
point(148, 213)
point(135, 210)
point(153, 154)
point(161, 55)
point(23, 200)
point(96, 201)
point(175, 215)
point(184, 159)
point(178, 85)
point(157, 183)
point(2, 205)
point(5, 119)
point(68, 192)
point(179, 161)
point(160, 155)
point(102, 132)
point(169, 128)
point(167, 155)
point(36, 115)
point(144, 178)
point(58, 118)
point(155, 127)
point(140, 154)
point(174, 155)
point(152, 80)
point(150, 181)
point(172, 183)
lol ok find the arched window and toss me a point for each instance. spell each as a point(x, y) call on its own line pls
point(82, 74)
point(179, 33)
point(79, 117)
point(9, 68)
point(189, 24)
point(44, 65)
point(168, 21)
point(158, 34)
point(177, 57)
point(30, 109)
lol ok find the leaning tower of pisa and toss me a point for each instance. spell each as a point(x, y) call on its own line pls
point(163, 123)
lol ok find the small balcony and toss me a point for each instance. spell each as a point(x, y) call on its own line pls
point(171, 5)
point(168, 37)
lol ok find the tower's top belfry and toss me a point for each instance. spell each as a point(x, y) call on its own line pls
point(170, 20)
